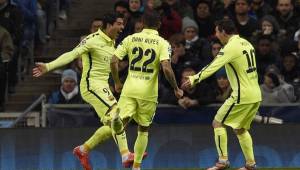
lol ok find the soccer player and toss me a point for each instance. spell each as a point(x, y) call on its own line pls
point(240, 108)
point(146, 52)
point(96, 51)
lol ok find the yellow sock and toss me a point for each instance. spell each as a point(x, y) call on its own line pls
point(121, 141)
point(247, 147)
point(221, 142)
point(102, 134)
point(140, 147)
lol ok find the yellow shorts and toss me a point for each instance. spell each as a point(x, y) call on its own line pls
point(237, 116)
point(102, 100)
point(142, 111)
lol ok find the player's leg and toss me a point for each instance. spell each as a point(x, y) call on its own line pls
point(144, 117)
point(244, 136)
point(102, 103)
point(246, 144)
point(220, 136)
point(140, 146)
point(119, 121)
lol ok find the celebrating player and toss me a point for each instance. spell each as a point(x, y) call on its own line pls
point(146, 52)
point(96, 51)
point(240, 108)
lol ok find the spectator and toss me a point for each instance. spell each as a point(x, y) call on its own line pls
point(296, 85)
point(223, 89)
point(29, 11)
point(276, 91)
point(200, 95)
point(11, 19)
point(122, 7)
point(63, 8)
point(96, 24)
point(290, 68)
point(6, 53)
point(195, 46)
point(182, 7)
point(215, 47)
point(138, 26)
point(180, 58)
point(170, 21)
point(265, 55)
point(245, 24)
point(67, 94)
point(287, 18)
point(204, 19)
point(260, 8)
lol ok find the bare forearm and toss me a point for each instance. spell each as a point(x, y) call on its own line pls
point(115, 72)
point(170, 76)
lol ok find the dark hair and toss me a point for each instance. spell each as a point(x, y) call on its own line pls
point(151, 19)
point(265, 37)
point(274, 78)
point(121, 3)
point(97, 19)
point(247, 1)
point(177, 39)
point(227, 25)
point(110, 18)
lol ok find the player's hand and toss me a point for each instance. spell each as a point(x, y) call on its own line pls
point(39, 69)
point(187, 84)
point(182, 103)
point(118, 87)
point(178, 93)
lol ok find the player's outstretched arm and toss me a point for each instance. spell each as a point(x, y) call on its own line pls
point(115, 73)
point(39, 69)
point(169, 74)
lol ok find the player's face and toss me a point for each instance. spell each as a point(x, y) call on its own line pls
point(117, 28)
point(68, 85)
point(220, 35)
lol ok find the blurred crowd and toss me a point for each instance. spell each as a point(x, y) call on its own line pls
point(272, 26)
point(25, 26)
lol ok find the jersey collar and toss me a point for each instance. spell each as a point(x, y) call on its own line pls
point(103, 35)
point(150, 31)
point(233, 37)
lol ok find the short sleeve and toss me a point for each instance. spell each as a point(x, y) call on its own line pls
point(165, 51)
point(121, 50)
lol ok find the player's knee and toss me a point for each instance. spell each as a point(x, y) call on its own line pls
point(216, 124)
point(117, 125)
point(239, 131)
point(143, 128)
